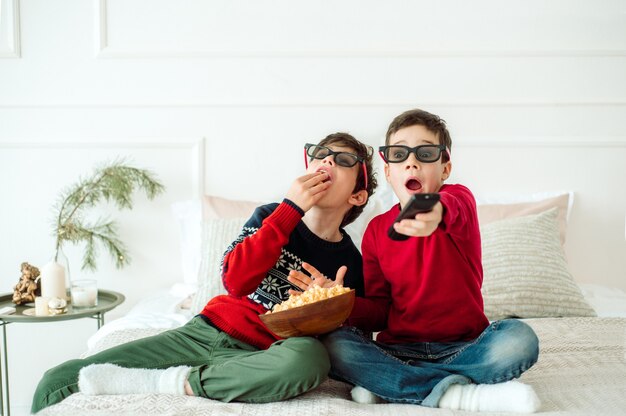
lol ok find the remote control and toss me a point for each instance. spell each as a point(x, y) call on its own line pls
point(418, 203)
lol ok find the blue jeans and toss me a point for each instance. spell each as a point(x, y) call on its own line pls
point(420, 372)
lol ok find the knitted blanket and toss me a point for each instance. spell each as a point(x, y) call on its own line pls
point(581, 371)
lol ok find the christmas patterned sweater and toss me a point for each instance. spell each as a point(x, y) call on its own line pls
point(256, 265)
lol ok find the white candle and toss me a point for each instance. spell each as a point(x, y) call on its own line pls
point(84, 295)
point(53, 281)
point(41, 306)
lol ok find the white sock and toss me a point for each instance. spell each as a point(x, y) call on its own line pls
point(511, 396)
point(112, 379)
point(362, 395)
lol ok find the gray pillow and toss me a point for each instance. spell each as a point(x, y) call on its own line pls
point(525, 272)
point(217, 234)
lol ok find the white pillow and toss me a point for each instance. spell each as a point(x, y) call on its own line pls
point(382, 200)
point(190, 216)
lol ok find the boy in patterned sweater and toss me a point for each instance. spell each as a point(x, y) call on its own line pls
point(226, 353)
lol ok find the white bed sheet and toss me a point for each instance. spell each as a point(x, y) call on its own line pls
point(162, 309)
point(608, 302)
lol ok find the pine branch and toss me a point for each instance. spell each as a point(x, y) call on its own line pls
point(115, 183)
point(106, 235)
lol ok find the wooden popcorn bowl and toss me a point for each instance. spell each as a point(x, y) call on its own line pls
point(312, 319)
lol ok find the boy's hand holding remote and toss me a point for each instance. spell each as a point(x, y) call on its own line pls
point(424, 224)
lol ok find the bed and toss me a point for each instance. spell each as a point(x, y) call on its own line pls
point(581, 328)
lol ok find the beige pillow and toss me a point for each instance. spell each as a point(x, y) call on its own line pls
point(493, 212)
point(525, 272)
point(216, 207)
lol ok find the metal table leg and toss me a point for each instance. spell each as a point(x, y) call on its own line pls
point(6, 373)
point(2, 362)
point(99, 317)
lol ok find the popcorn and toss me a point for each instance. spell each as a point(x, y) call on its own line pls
point(311, 295)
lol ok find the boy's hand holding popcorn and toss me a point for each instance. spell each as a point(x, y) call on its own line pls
point(316, 278)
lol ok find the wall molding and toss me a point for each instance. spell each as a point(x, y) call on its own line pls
point(10, 29)
point(108, 52)
point(100, 25)
point(195, 146)
point(105, 51)
point(198, 146)
point(318, 104)
point(463, 142)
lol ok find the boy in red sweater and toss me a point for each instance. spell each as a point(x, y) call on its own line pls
point(436, 348)
point(226, 353)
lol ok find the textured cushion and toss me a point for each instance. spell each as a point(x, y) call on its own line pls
point(489, 213)
point(217, 234)
point(525, 272)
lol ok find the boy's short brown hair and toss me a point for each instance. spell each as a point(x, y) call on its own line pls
point(432, 122)
point(364, 151)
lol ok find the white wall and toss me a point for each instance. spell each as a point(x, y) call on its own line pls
point(219, 96)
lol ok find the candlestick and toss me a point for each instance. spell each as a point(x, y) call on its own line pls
point(53, 281)
point(41, 306)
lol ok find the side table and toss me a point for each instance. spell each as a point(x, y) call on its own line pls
point(107, 300)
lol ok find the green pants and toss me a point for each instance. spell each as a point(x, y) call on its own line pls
point(223, 368)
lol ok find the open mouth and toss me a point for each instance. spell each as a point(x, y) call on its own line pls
point(413, 185)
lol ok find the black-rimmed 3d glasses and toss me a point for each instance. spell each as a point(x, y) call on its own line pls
point(345, 159)
point(427, 153)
